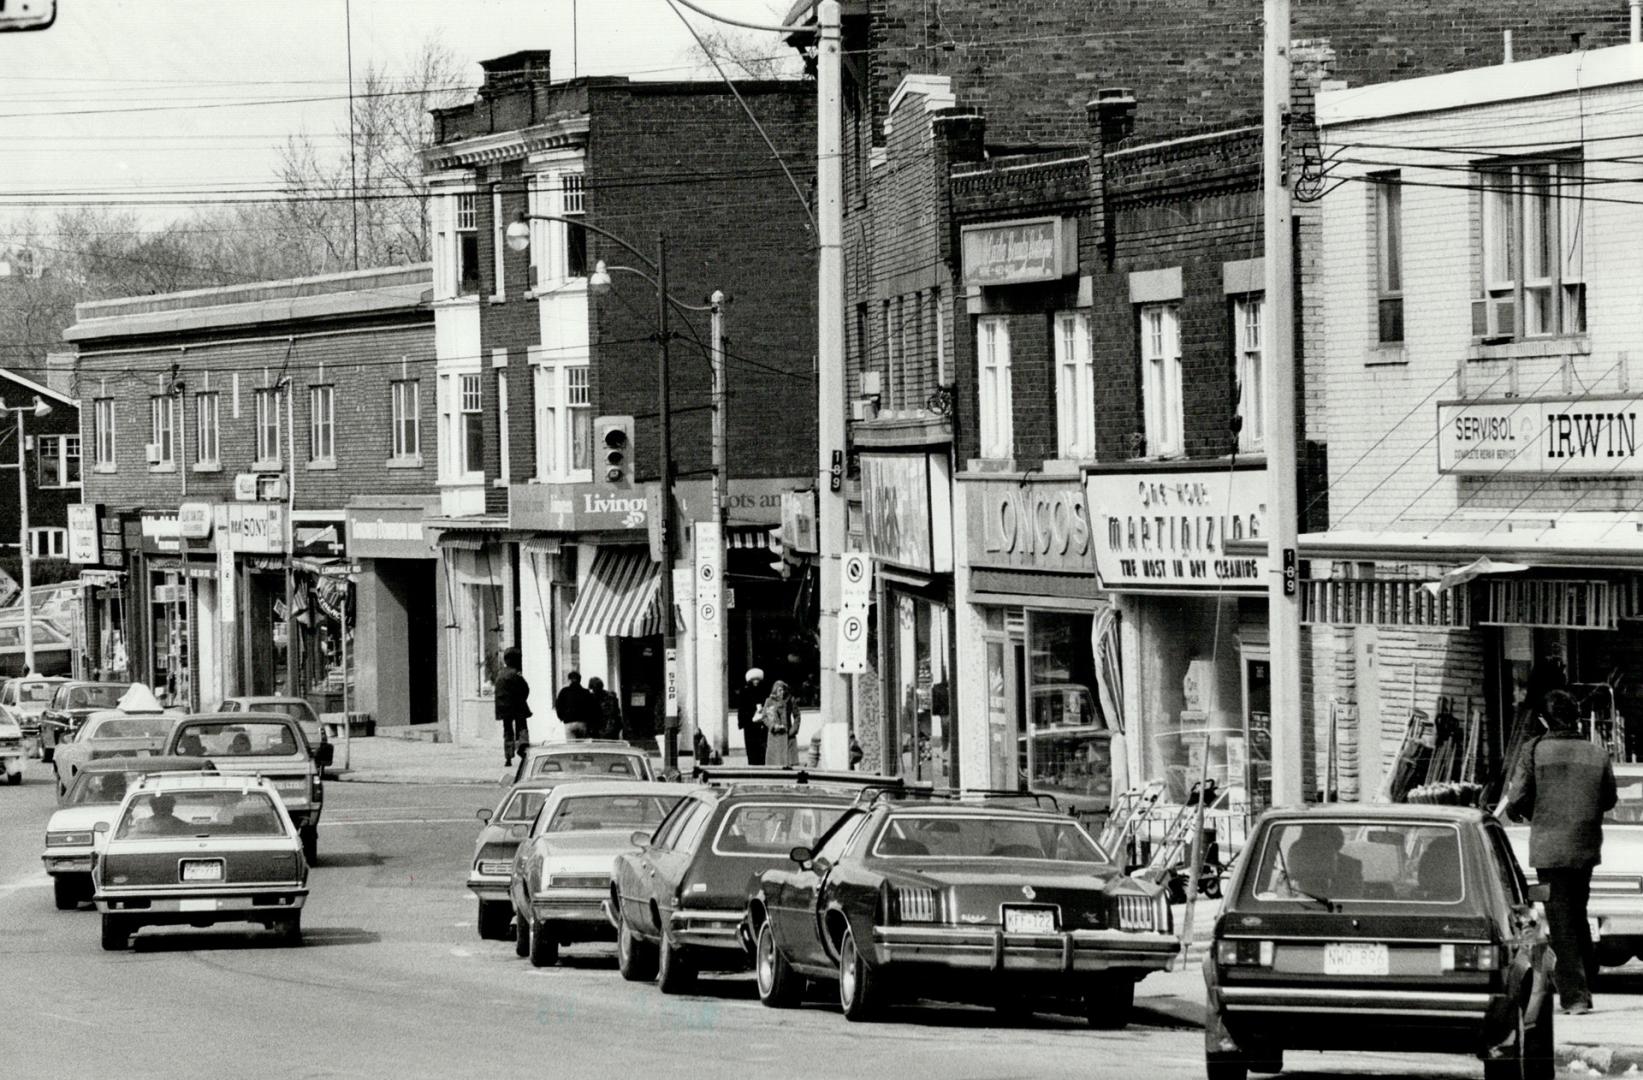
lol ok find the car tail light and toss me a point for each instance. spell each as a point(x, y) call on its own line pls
point(915, 903)
point(1244, 952)
point(1468, 958)
point(1141, 912)
point(68, 839)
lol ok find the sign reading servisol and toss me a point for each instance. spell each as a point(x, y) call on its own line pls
point(1013, 252)
point(1593, 436)
point(1167, 529)
point(1038, 525)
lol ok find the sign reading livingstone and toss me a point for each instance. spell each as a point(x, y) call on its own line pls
point(1567, 436)
point(1168, 529)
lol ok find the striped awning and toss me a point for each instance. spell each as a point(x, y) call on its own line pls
point(750, 537)
point(619, 598)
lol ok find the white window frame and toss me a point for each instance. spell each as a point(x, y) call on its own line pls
point(499, 246)
point(465, 222)
point(1249, 349)
point(322, 424)
point(48, 542)
point(468, 410)
point(892, 358)
point(563, 390)
point(61, 480)
point(573, 203)
point(162, 418)
point(102, 432)
point(1161, 407)
point(994, 394)
point(1387, 192)
point(269, 435)
point(1531, 289)
point(560, 190)
point(503, 430)
point(207, 429)
point(1074, 387)
point(405, 420)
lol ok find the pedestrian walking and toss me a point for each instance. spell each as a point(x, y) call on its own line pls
point(1565, 787)
point(573, 705)
point(781, 720)
point(512, 702)
point(605, 711)
point(750, 716)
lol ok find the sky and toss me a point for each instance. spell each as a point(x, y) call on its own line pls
point(158, 101)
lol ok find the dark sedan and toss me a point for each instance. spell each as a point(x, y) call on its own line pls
point(959, 900)
point(1383, 927)
point(70, 705)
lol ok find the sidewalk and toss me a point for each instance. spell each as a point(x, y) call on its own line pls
point(381, 759)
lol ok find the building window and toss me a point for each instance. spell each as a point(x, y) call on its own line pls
point(207, 414)
point(268, 426)
point(163, 428)
point(573, 203)
point(1248, 320)
point(993, 358)
point(1074, 387)
point(48, 543)
point(499, 246)
point(503, 428)
point(1533, 251)
point(322, 429)
point(467, 244)
point(470, 446)
point(564, 448)
point(58, 458)
point(102, 431)
point(1161, 378)
point(483, 631)
point(405, 418)
point(892, 357)
point(1388, 257)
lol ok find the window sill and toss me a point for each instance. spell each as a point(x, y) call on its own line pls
point(457, 301)
point(103, 468)
point(1532, 348)
point(461, 481)
point(208, 466)
point(322, 465)
point(568, 478)
point(495, 299)
point(403, 463)
point(1386, 354)
point(268, 466)
point(169, 467)
point(992, 465)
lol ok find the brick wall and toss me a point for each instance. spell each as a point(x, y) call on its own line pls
point(47, 505)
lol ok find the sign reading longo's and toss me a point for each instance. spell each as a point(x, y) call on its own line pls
point(1041, 525)
point(1012, 252)
point(1567, 436)
point(1168, 529)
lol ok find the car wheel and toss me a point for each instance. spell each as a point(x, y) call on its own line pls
point(47, 753)
point(1226, 1068)
point(779, 986)
point(861, 992)
point(635, 959)
point(1510, 1065)
point(544, 946)
point(67, 891)
point(1108, 1001)
point(116, 933)
point(1267, 1061)
point(495, 917)
point(1539, 1059)
point(310, 844)
point(289, 928)
point(674, 972)
point(14, 778)
point(521, 937)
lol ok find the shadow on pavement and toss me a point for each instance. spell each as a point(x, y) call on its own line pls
point(350, 861)
point(188, 939)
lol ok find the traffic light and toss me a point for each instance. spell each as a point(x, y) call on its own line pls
point(613, 441)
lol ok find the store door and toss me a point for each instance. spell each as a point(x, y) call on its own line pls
point(640, 662)
point(422, 641)
point(1007, 765)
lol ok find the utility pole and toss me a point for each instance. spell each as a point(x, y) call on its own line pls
point(1283, 500)
point(830, 430)
point(24, 549)
point(711, 697)
point(664, 517)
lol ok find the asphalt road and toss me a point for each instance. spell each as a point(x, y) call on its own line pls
point(393, 981)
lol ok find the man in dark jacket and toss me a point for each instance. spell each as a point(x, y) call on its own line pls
point(1566, 787)
point(749, 716)
point(512, 701)
point(574, 706)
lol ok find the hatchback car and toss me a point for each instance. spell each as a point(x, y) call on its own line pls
point(70, 705)
point(1350, 927)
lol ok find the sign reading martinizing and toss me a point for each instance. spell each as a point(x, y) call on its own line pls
point(1034, 249)
point(1593, 436)
point(1168, 528)
point(578, 507)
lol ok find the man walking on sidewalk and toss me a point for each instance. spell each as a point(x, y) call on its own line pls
point(574, 704)
point(1565, 788)
point(512, 695)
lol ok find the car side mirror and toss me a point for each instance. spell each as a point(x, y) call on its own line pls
point(324, 754)
point(801, 855)
point(1539, 894)
point(484, 816)
point(100, 827)
point(519, 831)
point(640, 838)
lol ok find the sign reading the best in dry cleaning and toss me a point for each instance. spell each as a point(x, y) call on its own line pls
point(1567, 436)
point(1168, 529)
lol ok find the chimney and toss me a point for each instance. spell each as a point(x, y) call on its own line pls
point(60, 372)
point(1112, 114)
point(505, 73)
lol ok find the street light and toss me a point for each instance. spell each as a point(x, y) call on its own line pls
point(39, 409)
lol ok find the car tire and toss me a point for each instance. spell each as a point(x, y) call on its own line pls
point(289, 928)
point(310, 844)
point(521, 937)
point(117, 933)
point(67, 891)
point(861, 988)
point(1226, 1068)
point(1511, 1064)
point(14, 778)
point(495, 919)
point(1108, 1002)
point(1267, 1061)
point(635, 959)
point(675, 974)
point(780, 987)
point(544, 948)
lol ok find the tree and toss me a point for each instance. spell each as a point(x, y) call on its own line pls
point(742, 55)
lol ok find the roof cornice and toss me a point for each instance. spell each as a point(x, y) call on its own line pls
point(507, 145)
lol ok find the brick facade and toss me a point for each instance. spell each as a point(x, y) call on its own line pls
point(48, 501)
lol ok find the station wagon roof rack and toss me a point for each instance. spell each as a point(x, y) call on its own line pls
point(926, 790)
point(785, 777)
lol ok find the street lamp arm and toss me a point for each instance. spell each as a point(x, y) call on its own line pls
point(612, 237)
point(774, 29)
point(675, 301)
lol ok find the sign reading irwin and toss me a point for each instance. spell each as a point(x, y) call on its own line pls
point(1168, 529)
point(1571, 437)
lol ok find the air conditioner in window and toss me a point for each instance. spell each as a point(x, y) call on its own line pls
point(864, 408)
point(1494, 317)
point(151, 452)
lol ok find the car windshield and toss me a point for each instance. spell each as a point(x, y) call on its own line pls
point(241, 738)
point(523, 806)
point(1629, 809)
point(133, 727)
point(1377, 861)
point(585, 763)
point(36, 693)
point(200, 813)
point(610, 812)
point(106, 696)
point(300, 711)
point(984, 836)
point(98, 788)
point(773, 828)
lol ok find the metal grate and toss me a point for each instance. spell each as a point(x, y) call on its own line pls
point(1136, 913)
point(1379, 602)
point(1581, 605)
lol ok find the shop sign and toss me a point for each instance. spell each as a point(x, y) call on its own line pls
point(578, 508)
point(752, 501)
point(387, 533)
point(1031, 526)
point(194, 521)
point(82, 533)
point(253, 528)
point(799, 522)
point(161, 533)
point(1567, 436)
point(907, 511)
point(1034, 249)
point(1168, 529)
point(111, 532)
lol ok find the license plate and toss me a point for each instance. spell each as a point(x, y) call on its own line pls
point(1356, 958)
point(202, 871)
point(1029, 921)
point(196, 905)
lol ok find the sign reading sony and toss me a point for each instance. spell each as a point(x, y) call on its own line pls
point(1168, 529)
point(1037, 525)
point(1034, 249)
point(577, 507)
point(1593, 436)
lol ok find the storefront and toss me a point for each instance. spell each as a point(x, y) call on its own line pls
point(1195, 652)
point(96, 543)
point(907, 529)
point(252, 543)
point(178, 576)
point(1039, 646)
point(395, 644)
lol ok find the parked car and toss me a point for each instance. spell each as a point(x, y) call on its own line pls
point(679, 901)
point(72, 842)
point(582, 759)
point(1616, 907)
point(72, 702)
point(560, 879)
point(500, 833)
point(111, 733)
point(266, 745)
point(11, 747)
point(966, 900)
point(27, 697)
point(1406, 927)
point(298, 709)
point(200, 850)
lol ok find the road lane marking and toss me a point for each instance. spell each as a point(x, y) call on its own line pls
point(69, 1019)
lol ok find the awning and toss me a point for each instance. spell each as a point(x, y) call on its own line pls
point(619, 597)
point(748, 537)
point(1617, 546)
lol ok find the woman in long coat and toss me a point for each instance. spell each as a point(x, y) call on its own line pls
point(781, 720)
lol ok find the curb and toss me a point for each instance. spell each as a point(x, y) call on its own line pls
point(1601, 1060)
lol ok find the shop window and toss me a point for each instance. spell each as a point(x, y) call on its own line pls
point(207, 430)
point(920, 640)
point(484, 636)
point(102, 429)
point(162, 449)
point(1387, 193)
point(993, 359)
point(1069, 745)
point(1533, 256)
point(1161, 378)
point(405, 418)
point(1074, 387)
point(1248, 322)
point(59, 460)
point(1191, 692)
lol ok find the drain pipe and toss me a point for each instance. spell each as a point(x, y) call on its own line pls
point(1506, 47)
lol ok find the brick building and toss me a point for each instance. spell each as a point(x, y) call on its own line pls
point(545, 550)
point(259, 459)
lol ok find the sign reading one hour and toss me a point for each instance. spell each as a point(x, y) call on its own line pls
point(1168, 529)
